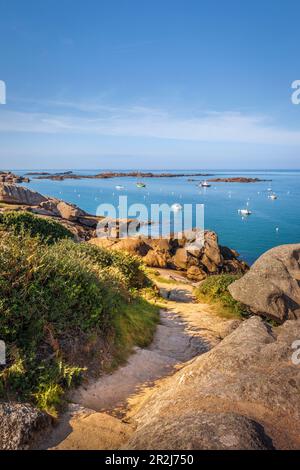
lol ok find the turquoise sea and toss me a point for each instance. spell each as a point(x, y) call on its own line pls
point(273, 222)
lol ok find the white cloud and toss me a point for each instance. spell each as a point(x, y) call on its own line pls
point(138, 121)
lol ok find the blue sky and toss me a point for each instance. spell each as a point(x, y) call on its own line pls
point(149, 84)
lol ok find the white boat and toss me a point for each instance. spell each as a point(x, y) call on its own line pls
point(272, 196)
point(119, 187)
point(244, 212)
point(205, 184)
point(176, 207)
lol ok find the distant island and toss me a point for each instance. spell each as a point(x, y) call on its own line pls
point(106, 175)
point(9, 177)
point(46, 173)
point(237, 179)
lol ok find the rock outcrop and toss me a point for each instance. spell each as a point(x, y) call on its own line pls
point(20, 423)
point(209, 431)
point(243, 394)
point(14, 194)
point(181, 253)
point(68, 211)
point(272, 286)
point(79, 222)
point(8, 177)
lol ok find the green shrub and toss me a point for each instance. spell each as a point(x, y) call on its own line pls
point(47, 284)
point(129, 265)
point(49, 296)
point(24, 222)
point(215, 289)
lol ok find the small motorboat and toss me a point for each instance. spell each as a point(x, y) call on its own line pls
point(244, 212)
point(140, 185)
point(273, 197)
point(119, 187)
point(205, 184)
point(176, 207)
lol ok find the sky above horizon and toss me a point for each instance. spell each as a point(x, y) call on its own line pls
point(149, 84)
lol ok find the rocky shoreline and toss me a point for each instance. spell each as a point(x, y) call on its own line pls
point(238, 392)
point(176, 252)
point(82, 224)
point(181, 253)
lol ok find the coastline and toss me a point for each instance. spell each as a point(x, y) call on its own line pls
point(251, 237)
point(214, 327)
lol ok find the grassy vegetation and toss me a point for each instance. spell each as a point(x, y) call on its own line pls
point(214, 290)
point(156, 276)
point(24, 222)
point(129, 266)
point(134, 326)
point(60, 296)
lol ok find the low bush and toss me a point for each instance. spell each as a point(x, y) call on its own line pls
point(214, 289)
point(50, 295)
point(24, 222)
point(129, 265)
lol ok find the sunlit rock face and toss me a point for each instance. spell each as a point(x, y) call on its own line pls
point(272, 286)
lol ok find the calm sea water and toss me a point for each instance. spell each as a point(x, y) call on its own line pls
point(271, 223)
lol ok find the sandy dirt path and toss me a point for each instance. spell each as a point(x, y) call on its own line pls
point(99, 415)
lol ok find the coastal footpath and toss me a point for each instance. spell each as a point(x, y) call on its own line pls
point(219, 371)
point(205, 383)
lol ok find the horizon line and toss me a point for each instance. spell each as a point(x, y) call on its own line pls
point(147, 169)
